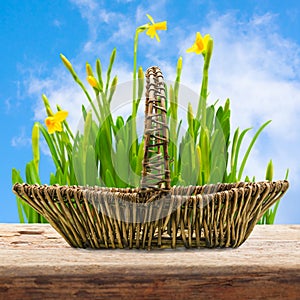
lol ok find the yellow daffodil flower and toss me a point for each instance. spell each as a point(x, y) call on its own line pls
point(153, 27)
point(200, 44)
point(92, 81)
point(53, 123)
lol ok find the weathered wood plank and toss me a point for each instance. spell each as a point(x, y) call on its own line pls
point(36, 263)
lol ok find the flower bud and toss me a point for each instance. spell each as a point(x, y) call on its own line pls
point(99, 73)
point(140, 82)
point(67, 63)
point(190, 116)
point(92, 81)
point(114, 82)
point(209, 48)
point(179, 64)
point(35, 145)
point(114, 85)
point(47, 106)
point(89, 70)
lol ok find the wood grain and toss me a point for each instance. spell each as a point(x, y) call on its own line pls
point(36, 263)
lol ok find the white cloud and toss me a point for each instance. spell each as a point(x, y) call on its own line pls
point(264, 19)
point(62, 91)
point(99, 20)
point(85, 5)
point(22, 140)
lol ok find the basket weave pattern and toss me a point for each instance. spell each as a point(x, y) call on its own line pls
point(86, 216)
point(154, 215)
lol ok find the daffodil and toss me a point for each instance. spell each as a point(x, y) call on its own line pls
point(92, 81)
point(200, 45)
point(153, 27)
point(53, 123)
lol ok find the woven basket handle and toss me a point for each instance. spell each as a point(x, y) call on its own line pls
point(156, 171)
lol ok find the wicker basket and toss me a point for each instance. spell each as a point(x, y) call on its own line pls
point(154, 215)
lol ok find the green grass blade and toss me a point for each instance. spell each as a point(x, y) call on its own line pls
point(22, 206)
point(237, 150)
point(250, 147)
point(232, 175)
point(287, 174)
point(91, 168)
point(270, 171)
point(51, 146)
point(32, 177)
point(140, 157)
point(122, 164)
point(109, 180)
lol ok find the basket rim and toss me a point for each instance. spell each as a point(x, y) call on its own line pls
point(225, 187)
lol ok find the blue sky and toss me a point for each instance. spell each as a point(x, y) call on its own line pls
point(256, 63)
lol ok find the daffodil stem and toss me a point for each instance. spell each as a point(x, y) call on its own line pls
point(69, 131)
point(69, 66)
point(98, 101)
point(135, 45)
point(134, 100)
point(89, 98)
point(201, 111)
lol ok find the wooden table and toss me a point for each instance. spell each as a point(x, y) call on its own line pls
point(36, 263)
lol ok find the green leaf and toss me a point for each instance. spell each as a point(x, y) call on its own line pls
point(91, 168)
point(237, 151)
point(119, 122)
point(210, 115)
point(51, 146)
point(140, 157)
point(32, 176)
point(84, 112)
point(250, 147)
point(205, 153)
point(122, 164)
point(270, 171)
point(109, 180)
point(22, 206)
point(232, 177)
point(53, 179)
point(104, 149)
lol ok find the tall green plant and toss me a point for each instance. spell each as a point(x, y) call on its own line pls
point(108, 152)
